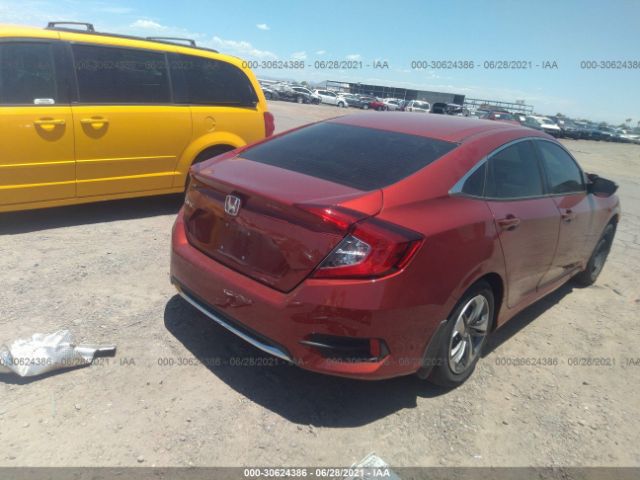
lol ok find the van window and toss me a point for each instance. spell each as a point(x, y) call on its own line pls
point(204, 81)
point(120, 75)
point(27, 74)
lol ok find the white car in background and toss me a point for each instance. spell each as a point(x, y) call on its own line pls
point(315, 97)
point(543, 123)
point(331, 98)
point(391, 104)
point(418, 106)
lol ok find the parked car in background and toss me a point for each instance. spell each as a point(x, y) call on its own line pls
point(544, 124)
point(447, 109)
point(289, 93)
point(501, 116)
point(418, 106)
point(314, 98)
point(392, 104)
point(571, 130)
point(331, 98)
point(486, 219)
point(377, 104)
point(73, 133)
point(369, 102)
point(269, 93)
point(355, 101)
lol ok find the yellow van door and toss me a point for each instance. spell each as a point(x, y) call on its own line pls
point(129, 135)
point(36, 132)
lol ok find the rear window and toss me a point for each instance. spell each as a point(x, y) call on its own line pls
point(362, 158)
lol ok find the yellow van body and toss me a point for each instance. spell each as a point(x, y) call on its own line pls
point(63, 151)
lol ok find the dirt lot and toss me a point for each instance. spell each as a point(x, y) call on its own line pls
point(102, 270)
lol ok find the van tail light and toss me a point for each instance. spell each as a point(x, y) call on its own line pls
point(269, 124)
point(372, 248)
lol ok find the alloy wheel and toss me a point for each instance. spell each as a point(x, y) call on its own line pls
point(469, 331)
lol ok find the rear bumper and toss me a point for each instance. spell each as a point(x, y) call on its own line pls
point(282, 324)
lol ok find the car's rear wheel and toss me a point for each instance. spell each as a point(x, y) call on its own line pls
point(299, 100)
point(464, 336)
point(598, 258)
point(365, 107)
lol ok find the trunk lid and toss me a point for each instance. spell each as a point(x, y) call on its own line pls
point(280, 232)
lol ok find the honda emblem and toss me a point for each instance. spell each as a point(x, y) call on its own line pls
point(232, 205)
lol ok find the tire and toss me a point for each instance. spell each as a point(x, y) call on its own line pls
point(299, 100)
point(206, 154)
point(340, 105)
point(598, 258)
point(268, 96)
point(365, 107)
point(464, 336)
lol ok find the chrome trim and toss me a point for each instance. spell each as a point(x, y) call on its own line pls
point(456, 190)
point(276, 352)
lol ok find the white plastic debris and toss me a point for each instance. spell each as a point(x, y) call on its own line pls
point(44, 353)
point(371, 467)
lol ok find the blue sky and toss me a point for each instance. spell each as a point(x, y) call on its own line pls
point(399, 32)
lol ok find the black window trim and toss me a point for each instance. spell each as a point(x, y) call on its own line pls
point(456, 190)
point(575, 162)
point(58, 69)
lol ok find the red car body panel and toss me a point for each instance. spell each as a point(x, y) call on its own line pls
point(463, 242)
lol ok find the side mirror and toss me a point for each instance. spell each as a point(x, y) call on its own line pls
point(601, 186)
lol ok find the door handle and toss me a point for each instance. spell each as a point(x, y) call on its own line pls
point(509, 223)
point(48, 124)
point(95, 122)
point(568, 215)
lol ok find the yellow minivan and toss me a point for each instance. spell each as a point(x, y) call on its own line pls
point(88, 116)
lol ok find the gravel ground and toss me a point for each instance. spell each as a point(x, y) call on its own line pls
point(174, 396)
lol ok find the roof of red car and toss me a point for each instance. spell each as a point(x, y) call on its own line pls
point(443, 127)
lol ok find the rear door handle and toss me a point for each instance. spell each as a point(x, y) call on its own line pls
point(95, 122)
point(568, 215)
point(509, 223)
point(48, 124)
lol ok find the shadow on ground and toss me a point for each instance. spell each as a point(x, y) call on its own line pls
point(304, 397)
point(43, 219)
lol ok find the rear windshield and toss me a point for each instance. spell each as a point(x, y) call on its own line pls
point(362, 158)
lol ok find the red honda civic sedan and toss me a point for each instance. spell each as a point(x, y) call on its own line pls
point(373, 246)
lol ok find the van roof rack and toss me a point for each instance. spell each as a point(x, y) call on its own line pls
point(177, 40)
point(54, 26)
point(89, 29)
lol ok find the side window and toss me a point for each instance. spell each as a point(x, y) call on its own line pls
point(514, 173)
point(562, 173)
point(27, 74)
point(120, 75)
point(212, 82)
point(474, 184)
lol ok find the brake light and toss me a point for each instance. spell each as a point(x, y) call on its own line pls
point(269, 124)
point(372, 249)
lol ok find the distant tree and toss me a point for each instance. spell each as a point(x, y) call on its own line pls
point(628, 120)
point(559, 115)
point(304, 82)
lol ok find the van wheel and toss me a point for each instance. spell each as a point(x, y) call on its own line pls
point(206, 154)
point(464, 336)
point(598, 258)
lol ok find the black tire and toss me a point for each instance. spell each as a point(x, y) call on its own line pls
point(448, 372)
point(206, 154)
point(598, 258)
point(365, 107)
point(340, 105)
point(299, 100)
point(267, 96)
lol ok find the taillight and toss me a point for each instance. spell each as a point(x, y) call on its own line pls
point(372, 248)
point(269, 124)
